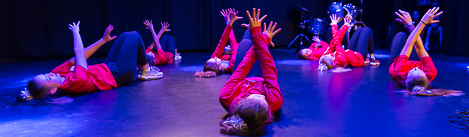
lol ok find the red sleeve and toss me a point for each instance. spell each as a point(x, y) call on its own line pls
point(222, 43)
point(234, 51)
point(159, 57)
point(63, 69)
point(400, 68)
point(269, 71)
point(163, 58)
point(428, 67)
point(78, 81)
point(313, 46)
point(232, 38)
point(228, 94)
point(333, 42)
point(148, 50)
point(338, 38)
point(324, 44)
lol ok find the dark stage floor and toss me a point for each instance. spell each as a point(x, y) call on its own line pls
point(363, 102)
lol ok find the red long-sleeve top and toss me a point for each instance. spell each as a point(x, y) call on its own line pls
point(161, 57)
point(343, 57)
point(239, 87)
point(96, 78)
point(317, 50)
point(227, 35)
point(402, 65)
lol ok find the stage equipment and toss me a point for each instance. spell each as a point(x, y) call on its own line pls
point(337, 9)
point(317, 26)
point(302, 26)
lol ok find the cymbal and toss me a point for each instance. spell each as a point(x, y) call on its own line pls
point(304, 9)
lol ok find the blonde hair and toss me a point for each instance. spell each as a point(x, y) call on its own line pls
point(328, 60)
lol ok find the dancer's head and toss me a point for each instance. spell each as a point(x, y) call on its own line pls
point(327, 61)
point(416, 80)
point(44, 85)
point(213, 64)
point(304, 53)
point(249, 117)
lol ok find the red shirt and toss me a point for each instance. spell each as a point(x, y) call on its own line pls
point(402, 65)
point(96, 78)
point(161, 57)
point(343, 57)
point(317, 50)
point(227, 35)
point(238, 87)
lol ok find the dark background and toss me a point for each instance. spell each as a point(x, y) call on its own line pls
point(37, 29)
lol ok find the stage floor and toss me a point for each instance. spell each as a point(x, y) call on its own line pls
point(363, 102)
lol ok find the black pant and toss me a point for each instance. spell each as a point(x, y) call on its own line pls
point(127, 51)
point(168, 44)
point(362, 41)
point(397, 45)
point(243, 48)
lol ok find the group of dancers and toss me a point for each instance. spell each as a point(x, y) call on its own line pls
point(251, 102)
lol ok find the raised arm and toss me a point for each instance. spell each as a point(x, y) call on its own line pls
point(426, 19)
point(345, 26)
point(90, 50)
point(334, 20)
point(232, 39)
point(336, 35)
point(156, 37)
point(78, 45)
point(229, 93)
point(405, 18)
point(269, 71)
point(230, 16)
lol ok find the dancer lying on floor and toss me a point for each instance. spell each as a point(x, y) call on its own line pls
point(252, 101)
point(362, 41)
point(75, 76)
point(160, 57)
point(335, 55)
point(218, 64)
point(315, 51)
point(415, 76)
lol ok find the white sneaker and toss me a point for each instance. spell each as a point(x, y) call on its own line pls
point(178, 56)
point(151, 73)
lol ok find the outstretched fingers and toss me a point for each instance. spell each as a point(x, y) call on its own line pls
point(399, 15)
point(249, 16)
point(265, 28)
point(441, 12)
point(275, 32)
point(269, 29)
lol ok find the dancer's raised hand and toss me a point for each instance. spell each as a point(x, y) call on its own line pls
point(334, 19)
point(316, 39)
point(254, 20)
point(270, 31)
point(164, 27)
point(74, 27)
point(149, 24)
point(347, 20)
point(404, 17)
point(430, 15)
point(107, 34)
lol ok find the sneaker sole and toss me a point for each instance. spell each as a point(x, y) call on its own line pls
point(149, 77)
point(374, 64)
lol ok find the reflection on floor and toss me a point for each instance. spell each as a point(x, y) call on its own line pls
point(363, 102)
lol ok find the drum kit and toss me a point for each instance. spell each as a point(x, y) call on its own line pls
point(317, 26)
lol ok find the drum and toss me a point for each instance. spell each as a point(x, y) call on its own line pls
point(337, 9)
point(317, 26)
point(350, 8)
